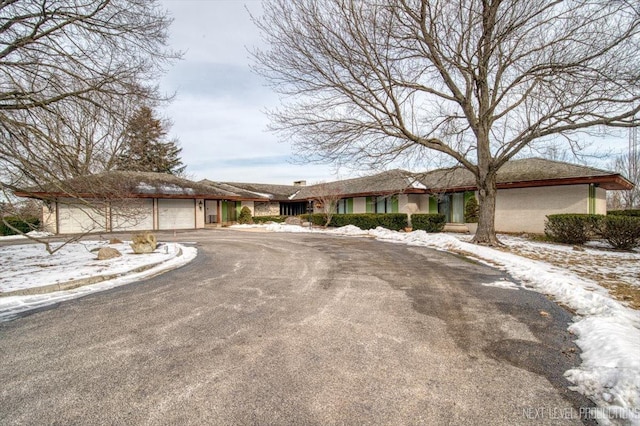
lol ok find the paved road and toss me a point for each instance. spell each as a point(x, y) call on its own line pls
point(295, 329)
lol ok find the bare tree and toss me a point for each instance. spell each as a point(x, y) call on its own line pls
point(326, 197)
point(626, 165)
point(71, 73)
point(476, 80)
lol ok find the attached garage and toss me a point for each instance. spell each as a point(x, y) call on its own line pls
point(78, 219)
point(176, 214)
point(136, 201)
point(136, 215)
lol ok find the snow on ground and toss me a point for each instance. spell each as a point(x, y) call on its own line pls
point(608, 332)
point(29, 266)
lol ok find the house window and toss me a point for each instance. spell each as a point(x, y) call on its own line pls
point(345, 206)
point(387, 204)
point(457, 204)
point(452, 207)
point(293, 209)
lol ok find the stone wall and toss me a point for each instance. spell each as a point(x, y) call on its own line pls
point(266, 208)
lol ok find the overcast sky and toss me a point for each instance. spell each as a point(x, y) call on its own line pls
point(218, 112)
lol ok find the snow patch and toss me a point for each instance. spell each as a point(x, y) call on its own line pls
point(30, 266)
point(501, 284)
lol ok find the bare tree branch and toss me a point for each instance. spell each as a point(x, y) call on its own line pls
point(368, 82)
point(71, 73)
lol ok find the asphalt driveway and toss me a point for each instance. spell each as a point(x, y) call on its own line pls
point(295, 329)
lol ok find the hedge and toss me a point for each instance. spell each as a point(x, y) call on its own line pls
point(428, 222)
point(263, 219)
point(572, 228)
point(393, 221)
point(23, 224)
point(318, 219)
point(635, 213)
point(622, 232)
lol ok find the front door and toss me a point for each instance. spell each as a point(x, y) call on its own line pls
point(211, 211)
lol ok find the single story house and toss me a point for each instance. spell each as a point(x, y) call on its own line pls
point(528, 191)
point(133, 201)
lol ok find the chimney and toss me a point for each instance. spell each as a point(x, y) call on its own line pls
point(300, 183)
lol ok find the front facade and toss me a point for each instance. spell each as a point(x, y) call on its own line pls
point(528, 191)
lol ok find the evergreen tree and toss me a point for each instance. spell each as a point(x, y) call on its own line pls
point(146, 148)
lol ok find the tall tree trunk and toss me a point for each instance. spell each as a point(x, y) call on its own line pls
point(486, 181)
point(486, 233)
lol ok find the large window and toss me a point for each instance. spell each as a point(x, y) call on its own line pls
point(345, 206)
point(293, 209)
point(452, 206)
point(388, 204)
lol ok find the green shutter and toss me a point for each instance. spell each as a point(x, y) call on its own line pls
point(371, 207)
point(394, 204)
point(433, 204)
point(349, 205)
point(224, 211)
point(592, 199)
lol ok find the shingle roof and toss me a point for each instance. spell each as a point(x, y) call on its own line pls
point(264, 190)
point(516, 173)
point(389, 182)
point(528, 170)
point(124, 183)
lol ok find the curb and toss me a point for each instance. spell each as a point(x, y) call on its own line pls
point(70, 285)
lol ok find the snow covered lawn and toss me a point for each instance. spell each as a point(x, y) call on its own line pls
point(607, 330)
point(30, 267)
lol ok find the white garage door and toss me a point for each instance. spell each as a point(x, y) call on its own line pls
point(78, 219)
point(176, 214)
point(134, 215)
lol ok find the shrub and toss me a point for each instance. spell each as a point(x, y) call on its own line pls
point(263, 219)
point(23, 224)
point(245, 216)
point(428, 222)
point(572, 228)
point(471, 210)
point(622, 232)
point(393, 221)
point(318, 219)
point(635, 213)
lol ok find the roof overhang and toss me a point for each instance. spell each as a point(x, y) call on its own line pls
point(609, 182)
point(366, 194)
point(54, 195)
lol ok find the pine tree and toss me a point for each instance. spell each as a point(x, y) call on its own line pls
point(146, 148)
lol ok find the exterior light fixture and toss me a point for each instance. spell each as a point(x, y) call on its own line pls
point(200, 205)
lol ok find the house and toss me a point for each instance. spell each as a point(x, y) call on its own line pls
point(132, 201)
point(528, 191)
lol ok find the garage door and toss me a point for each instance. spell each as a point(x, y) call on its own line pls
point(134, 215)
point(176, 214)
point(79, 219)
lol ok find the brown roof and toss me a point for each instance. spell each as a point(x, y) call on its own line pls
point(526, 173)
point(263, 190)
point(514, 174)
point(123, 184)
point(389, 182)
